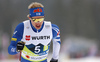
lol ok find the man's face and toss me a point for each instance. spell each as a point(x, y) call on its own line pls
point(37, 21)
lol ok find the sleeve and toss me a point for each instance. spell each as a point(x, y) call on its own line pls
point(17, 36)
point(56, 41)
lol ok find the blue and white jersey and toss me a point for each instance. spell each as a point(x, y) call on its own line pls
point(19, 35)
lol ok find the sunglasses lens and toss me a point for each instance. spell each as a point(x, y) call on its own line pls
point(33, 19)
point(38, 20)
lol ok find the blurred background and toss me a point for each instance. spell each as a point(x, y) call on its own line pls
point(78, 20)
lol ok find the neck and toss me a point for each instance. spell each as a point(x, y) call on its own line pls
point(37, 25)
point(34, 28)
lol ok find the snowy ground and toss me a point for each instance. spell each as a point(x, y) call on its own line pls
point(65, 59)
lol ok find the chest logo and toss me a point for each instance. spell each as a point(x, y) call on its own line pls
point(27, 37)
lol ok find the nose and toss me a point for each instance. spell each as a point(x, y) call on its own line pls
point(38, 21)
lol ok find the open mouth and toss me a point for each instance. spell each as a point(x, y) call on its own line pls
point(38, 26)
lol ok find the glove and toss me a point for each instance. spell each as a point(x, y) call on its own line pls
point(20, 46)
point(54, 60)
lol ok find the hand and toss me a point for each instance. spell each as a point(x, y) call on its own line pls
point(20, 46)
point(54, 60)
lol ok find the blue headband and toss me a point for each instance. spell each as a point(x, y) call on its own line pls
point(38, 11)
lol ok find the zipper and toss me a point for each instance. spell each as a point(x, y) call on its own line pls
point(37, 31)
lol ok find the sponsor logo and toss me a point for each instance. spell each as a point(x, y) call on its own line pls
point(27, 37)
point(20, 45)
point(36, 37)
point(37, 10)
point(13, 49)
point(27, 56)
point(15, 32)
point(47, 26)
point(40, 37)
point(27, 27)
point(38, 58)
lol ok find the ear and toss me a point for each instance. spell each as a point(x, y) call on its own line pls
point(29, 18)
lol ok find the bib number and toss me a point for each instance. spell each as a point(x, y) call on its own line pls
point(37, 49)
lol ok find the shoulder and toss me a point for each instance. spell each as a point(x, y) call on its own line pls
point(55, 30)
point(26, 21)
point(20, 25)
point(55, 27)
point(19, 29)
point(47, 22)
